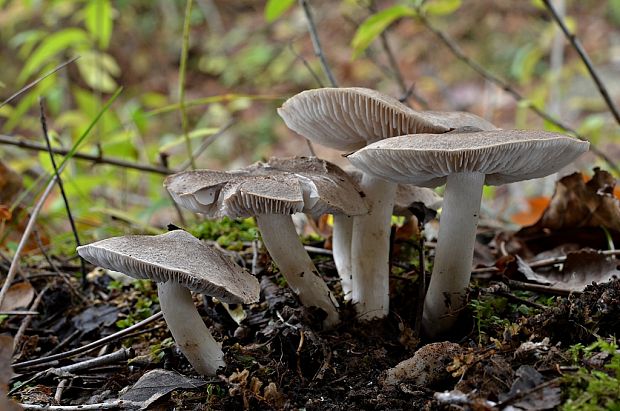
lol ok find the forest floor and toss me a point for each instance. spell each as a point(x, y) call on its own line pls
point(531, 337)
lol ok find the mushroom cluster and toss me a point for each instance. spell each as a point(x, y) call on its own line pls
point(399, 155)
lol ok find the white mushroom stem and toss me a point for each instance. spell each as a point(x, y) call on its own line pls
point(454, 251)
point(189, 331)
point(370, 249)
point(341, 246)
point(286, 249)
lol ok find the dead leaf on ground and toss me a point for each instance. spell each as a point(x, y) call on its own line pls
point(576, 203)
point(156, 383)
point(580, 269)
point(6, 373)
point(19, 295)
point(536, 208)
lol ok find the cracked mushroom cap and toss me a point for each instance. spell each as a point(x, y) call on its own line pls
point(285, 186)
point(175, 256)
point(349, 118)
point(504, 156)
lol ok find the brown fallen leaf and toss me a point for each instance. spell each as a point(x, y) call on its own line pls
point(537, 206)
point(6, 373)
point(581, 268)
point(576, 203)
point(18, 295)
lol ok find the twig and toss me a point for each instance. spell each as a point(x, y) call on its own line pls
point(395, 69)
point(37, 81)
point(27, 231)
point(316, 43)
point(8, 140)
point(60, 389)
point(316, 78)
point(66, 371)
point(460, 54)
point(88, 347)
point(182, 71)
point(574, 41)
point(114, 405)
point(62, 189)
point(205, 144)
point(15, 312)
point(520, 285)
point(163, 157)
point(26, 321)
point(421, 288)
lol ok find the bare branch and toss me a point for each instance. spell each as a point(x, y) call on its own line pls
point(316, 43)
point(460, 54)
point(13, 141)
point(574, 41)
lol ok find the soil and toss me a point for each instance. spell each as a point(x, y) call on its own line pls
point(279, 358)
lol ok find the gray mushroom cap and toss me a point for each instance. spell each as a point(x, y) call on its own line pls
point(349, 118)
point(504, 156)
point(283, 186)
point(175, 256)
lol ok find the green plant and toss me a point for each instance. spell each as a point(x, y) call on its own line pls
point(594, 389)
point(486, 310)
point(227, 232)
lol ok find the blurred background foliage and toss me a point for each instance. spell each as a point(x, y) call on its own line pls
point(243, 59)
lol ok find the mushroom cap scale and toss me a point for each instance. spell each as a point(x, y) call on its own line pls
point(504, 156)
point(349, 118)
point(175, 256)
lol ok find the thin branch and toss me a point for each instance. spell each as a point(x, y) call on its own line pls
point(37, 81)
point(27, 231)
point(12, 141)
point(395, 69)
point(574, 41)
point(204, 145)
point(460, 54)
point(88, 347)
point(26, 321)
point(316, 43)
point(62, 189)
point(114, 405)
point(182, 72)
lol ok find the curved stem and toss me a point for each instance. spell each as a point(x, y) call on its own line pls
point(454, 252)
point(370, 249)
point(341, 246)
point(189, 331)
point(284, 246)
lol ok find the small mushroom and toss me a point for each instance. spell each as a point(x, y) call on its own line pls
point(271, 195)
point(179, 262)
point(464, 162)
point(348, 119)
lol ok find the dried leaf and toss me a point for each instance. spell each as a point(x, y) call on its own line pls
point(576, 203)
point(95, 317)
point(19, 295)
point(155, 384)
point(6, 351)
point(539, 395)
point(273, 396)
point(537, 206)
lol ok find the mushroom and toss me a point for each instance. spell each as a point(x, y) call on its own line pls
point(348, 119)
point(179, 263)
point(464, 162)
point(271, 196)
point(405, 196)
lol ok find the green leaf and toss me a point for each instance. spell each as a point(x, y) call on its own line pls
point(98, 21)
point(97, 70)
point(376, 24)
point(441, 7)
point(275, 8)
point(65, 39)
